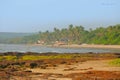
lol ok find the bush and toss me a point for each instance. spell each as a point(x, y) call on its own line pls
point(33, 65)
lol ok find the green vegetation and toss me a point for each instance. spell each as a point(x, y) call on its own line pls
point(115, 62)
point(33, 57)
point(8, 58)
point(55, 56)
point(36, 57)
point(40, 57)
point(75, 35)
point(9, 37)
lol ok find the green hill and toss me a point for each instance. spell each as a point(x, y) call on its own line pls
point(78, 35)
point(72, 35)
point(6, 36)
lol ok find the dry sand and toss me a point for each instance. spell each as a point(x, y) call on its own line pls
point(99, 65)
point(89, 46)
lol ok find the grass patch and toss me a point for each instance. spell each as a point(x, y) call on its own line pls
point(115, 62)
point(1, 58)
point(33, 57)
point(40, 57)
point(56, 56)
point(8, 58)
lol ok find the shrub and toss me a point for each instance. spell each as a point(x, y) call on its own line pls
point(33, 65)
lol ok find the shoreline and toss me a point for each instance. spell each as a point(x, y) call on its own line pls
point(86, 46)
point(60, 48)
point(76, 46)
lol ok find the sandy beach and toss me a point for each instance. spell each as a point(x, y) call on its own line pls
point(79, 67)
point(55, 66)
point(87, 46)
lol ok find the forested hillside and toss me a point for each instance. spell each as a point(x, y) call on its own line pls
point(5, 37)
point(76, 35)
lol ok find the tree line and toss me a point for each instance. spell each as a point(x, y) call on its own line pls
point(76, 35)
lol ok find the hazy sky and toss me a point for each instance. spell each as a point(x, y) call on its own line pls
point(42, 15)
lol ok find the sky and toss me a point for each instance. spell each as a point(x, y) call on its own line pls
point(42, 15)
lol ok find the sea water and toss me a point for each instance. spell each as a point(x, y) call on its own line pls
point(43, 49)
